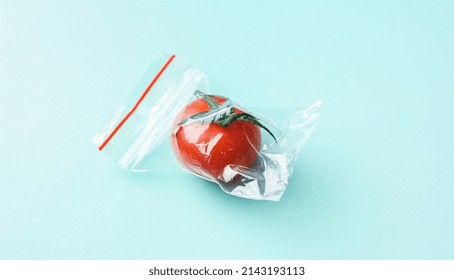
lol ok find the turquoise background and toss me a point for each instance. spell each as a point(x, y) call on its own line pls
point(376, 180)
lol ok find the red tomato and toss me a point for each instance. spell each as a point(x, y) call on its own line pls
point(206, 149)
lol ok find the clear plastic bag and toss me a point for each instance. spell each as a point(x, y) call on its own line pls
point(211, 136)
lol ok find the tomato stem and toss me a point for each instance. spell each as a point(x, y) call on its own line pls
point(225, 122)
point(226, 118)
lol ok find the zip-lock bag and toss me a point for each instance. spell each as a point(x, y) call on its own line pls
point(211, 136)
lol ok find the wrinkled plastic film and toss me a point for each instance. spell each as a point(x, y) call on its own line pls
point(268, 176)
point(269, 179)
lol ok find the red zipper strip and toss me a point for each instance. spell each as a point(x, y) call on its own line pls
point(142, 97)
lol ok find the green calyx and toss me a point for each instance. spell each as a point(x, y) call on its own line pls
point(226, 118)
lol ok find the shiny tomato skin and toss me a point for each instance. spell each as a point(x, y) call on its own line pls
point(206, 149)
